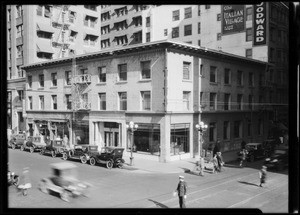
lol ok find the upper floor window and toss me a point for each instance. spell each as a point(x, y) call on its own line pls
point(121, 40)
point(248, 13)
point(68, 77)
point(44, 34)
point(213, 74)
point(54, 79)
point(122, 70)
point(186, 100)
point(105, 43)
point(146, 69)
point(54, 102)
point(20, 94)
point(237, 129)
point(138, 37)
point(91, 7)
point(42, 103)
point(137, 21)
point(19, 10)
point(250, 101)
point(187, 12)
point(166, 32)
point(249, 53)
point(218, 17)
point(249, 34)
point(41, 80)
point(123, 101)
point(30, 102)
point(90, 40)
point(227, 101)
point(148, 21)
point(176, 15)
point(240, 78)
point(146, 100)
point(29, 81)
point(251, 79)
point(227, 76)
point(20, 51)
point(121, 25)
point(105, 16)
point(72, 16)
point(102, 101)
point(187, 30)
point(121, 11)
point(105, 30)
point(212, 101)
point(102, 74)
point(199, 10)
point(69, 101)
point(90, 21)
point(175, 32)
point(239, 101)
point(199, 27)
point(207, 6)
point(186, 70)
point(20, 31)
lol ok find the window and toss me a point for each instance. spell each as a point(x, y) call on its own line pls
point(207, 6)
point(175, 15)
point(105, 43)
point(42, 103)
point(148, 21)
point(180, 138)
point(199, 42)
point(105, 30)
point(41, 80)
point(186, 70)
point(123, 100)
point(47, 11)
point(250, 101)
point(54, 102)
point(240, 78)
point(219, 36)
point(90, 21)
point(201, 69)
point(249, 34)
point(137, 21)
point(212, 132)
point(249, 128)
point(72, 16)
point(249, 53)
point(105, 16)
point(69, 101)
point(260, 126)
point(138, 37)
point(121, 40)
point(251, 79)
point(165, 32)
point(20, 95)
point(19, 10)
point(20, 31)
point(227, 76)
point(122, 68)
point(239, 101)
point(148, 37)
point(175, 32)
point(213, 74)
point(201, 99)
point(237, 129)
point(68, 77)
point(199, 10)
point(199, 27)
point(212, 101)
point(227, 101)
point(218, 17)
point(54, 79)
point(29, 81)
point(19, 51)
point(121, 11)
point(146, 70)
point(102, 74)
point(91, 7)
point(146, 100)
point(248, 13)
point(102, 100)
point(73, 35)
point(187, 30)
point(186, 100)
point(90, 40)
point(226, 130)
point(187, 12)
point(44, 34)
point(30, 102)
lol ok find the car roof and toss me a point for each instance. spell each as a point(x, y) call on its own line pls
point(63, 165)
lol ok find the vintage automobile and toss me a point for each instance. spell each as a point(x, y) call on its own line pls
point(279, 159)
point(34, 144)
point(13, 179)
point(110, 156)
point(64, 182)
point(80, 152)
point(55, 147)
point(17, 140)
point(256, 151)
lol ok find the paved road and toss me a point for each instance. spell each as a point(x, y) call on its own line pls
point(124, 188)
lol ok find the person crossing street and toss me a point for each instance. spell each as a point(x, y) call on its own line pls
point(181, 191)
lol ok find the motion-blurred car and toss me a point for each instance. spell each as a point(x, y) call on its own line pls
point(256, 151)
point(64, 182)
point(80, 152)
point(110, 156)
point(55, 147)
point(279, 159)
point(17, 140)
point(33, 144)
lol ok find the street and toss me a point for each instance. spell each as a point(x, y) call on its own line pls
point(135, 188)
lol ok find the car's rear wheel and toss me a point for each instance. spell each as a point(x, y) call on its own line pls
point(53, 154)
point(109, 164)
point(43, 187)
point(83, 159)
point(64, 156)
point(31, 149)
point(92, 161)
point(119, 163)
point(22, 148)
point(252, 158)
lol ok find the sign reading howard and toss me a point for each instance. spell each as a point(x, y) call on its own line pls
point(233, 19)
point(259, 24)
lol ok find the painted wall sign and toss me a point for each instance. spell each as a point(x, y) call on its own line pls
point(233, 18)
point(259, 24)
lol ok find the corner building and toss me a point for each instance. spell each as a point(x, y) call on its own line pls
point(165, 87)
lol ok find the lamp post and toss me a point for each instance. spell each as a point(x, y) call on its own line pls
point(131, 127)
point(201, 127)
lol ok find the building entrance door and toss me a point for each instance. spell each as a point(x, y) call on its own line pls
point(108, 138)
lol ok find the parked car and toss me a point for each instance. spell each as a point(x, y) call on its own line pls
point(33, 144)
point(17, 140)
point(78, 153)
point(55, 147)
point(271, 144)
point(64, 182)
point(279, 159)
point(110, 156)
point(256, 151)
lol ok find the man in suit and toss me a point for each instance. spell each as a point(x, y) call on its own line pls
point(181, 191)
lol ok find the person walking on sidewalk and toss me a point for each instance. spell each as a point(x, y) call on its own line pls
point(263, 175)
point(220, 161)
point(244, 153)
point(215, 164)
point(181, 190)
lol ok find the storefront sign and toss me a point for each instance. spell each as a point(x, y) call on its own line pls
point(259, 24)
point(233, 18)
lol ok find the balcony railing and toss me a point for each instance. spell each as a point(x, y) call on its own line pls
point(82, 79)
point(82, 105)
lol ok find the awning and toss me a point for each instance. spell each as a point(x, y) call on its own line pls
point(44, 45)
point(44, 27)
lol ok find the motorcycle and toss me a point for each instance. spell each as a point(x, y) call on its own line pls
point(13, 179)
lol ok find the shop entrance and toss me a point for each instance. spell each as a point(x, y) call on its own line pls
point(111, 134)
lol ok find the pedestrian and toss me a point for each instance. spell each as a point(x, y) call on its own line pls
point(181, 191)
point(243, 160)
point(263, 175)
point(66, 141)
point(202, 166)
point(215, 164)
point(25, 182)
point(78, 140)
point(220, 160)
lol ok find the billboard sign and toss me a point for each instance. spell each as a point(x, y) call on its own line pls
point(233, 18)
point(259, 24)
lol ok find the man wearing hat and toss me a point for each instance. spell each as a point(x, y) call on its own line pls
point(181, 191)
point(263, 175)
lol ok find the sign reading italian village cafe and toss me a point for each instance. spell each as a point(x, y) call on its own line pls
point(259, 24)
point(233, 19)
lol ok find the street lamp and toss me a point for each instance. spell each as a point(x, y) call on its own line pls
point(201, 127)
point(131, 127)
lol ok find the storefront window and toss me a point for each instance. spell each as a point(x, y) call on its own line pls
point(146, 139)
point(81, 131)
point(180, 138)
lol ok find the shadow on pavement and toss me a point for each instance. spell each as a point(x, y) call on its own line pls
point(158, 204)
point(247, 183)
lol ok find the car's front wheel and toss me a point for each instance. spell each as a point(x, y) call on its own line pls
point(64, 156)
point(109, 164)
point(119, 163)
point(31, 149)
point(92, 161)
point(83, 159)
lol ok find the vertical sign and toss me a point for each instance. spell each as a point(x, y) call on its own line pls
point(233, 19)
point(259, 24)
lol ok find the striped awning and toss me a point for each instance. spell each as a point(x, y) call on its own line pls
point(44, 27)
point(44, 45)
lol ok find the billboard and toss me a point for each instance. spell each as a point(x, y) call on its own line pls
point(233, 18)
point(259, 24)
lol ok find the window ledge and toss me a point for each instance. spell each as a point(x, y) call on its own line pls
point(101, 84)
point(213, 83)
point(121, 82)
point(187, 80)
point(68, 86)
point(145, 80)
point(53, 87)
point(41, 88)
point(29, 89)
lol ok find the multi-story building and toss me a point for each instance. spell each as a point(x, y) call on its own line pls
point(165, 87)
point(37, 33)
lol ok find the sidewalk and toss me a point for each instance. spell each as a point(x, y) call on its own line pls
point(179, 166)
